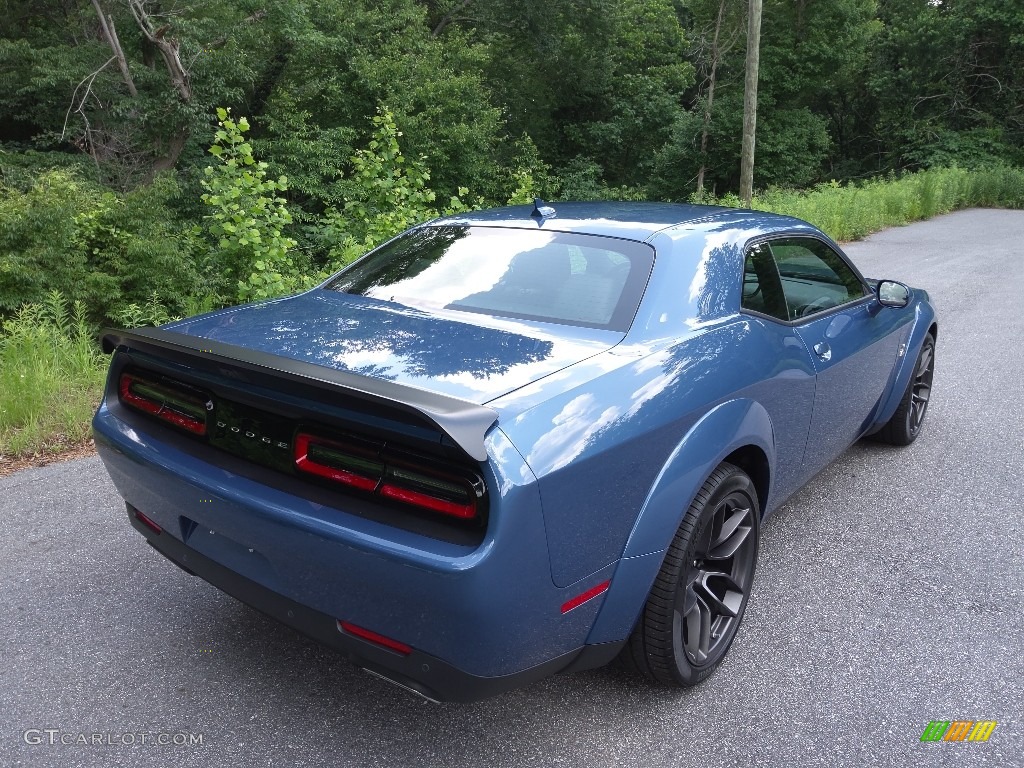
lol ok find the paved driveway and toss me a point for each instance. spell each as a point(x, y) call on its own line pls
point(889, 594)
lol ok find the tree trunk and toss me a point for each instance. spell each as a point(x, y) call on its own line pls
point(168, 48)
point(715, 56)
point(750, 103)
point(449, 17)
point(107, 24)
point(176, 146)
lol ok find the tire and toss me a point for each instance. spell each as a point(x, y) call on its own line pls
point(908, 420)
point(699, 597)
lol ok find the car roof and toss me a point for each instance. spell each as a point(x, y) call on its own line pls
point(631, 220)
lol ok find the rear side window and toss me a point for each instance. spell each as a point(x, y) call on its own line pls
point(584, 280)
point(762, 289)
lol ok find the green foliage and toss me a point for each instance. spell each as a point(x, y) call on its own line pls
point(151, 312)
point(529, 174)
point(60, 88)
point(388, 193)
point(582, 179)
point(313, 155)
point(51, 376)
point(385, 194)
point(791, 147)
point(60, 232)
point(350, 56)
point(19, 170)
point(946, 82)
point(109, 195)
point(247, 216)
point(525, 190)
point(601, 80)
point(611, 94)
point(997, 187)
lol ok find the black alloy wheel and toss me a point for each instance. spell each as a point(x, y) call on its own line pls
point(921, 387)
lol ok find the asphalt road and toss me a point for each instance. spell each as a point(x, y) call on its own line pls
point(889, 594)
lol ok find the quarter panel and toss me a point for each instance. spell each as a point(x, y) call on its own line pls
point(748, 423)
point(727, 427)
point(600, 449)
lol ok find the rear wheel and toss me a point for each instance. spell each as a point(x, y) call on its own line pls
point(699, 597)
point(906, 424)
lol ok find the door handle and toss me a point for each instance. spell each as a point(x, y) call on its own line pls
point(823, 350)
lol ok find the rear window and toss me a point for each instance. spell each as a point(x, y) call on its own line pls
point(585, 280)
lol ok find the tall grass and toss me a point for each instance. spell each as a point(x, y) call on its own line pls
point(51, 377)
point(855, 211)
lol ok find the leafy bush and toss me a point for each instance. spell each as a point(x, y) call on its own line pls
point(247, 216)
point(385, 195)
point(61, 232)
point(582, 179)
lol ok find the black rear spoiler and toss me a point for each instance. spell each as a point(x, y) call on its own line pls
point(464, 422)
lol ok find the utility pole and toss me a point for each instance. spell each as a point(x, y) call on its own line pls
point(750, 102)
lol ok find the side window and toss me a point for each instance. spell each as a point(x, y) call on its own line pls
point(762, 291)
point(814, 277)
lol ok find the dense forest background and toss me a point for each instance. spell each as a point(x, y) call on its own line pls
point(186, 154)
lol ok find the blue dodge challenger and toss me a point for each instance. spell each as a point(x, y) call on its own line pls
point(515, 442)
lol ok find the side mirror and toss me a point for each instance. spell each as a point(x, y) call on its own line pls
point(892, 294)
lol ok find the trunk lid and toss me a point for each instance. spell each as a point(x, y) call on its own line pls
point(473, 357)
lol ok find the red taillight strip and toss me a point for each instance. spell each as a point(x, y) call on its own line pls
point(590, 594)
point(306, 464)
point(463, 511)
point(388, 478)
point(157, 408)
point(373, 637)
point(142, 403)
point(194, 426)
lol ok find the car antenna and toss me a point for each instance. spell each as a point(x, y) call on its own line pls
point(541, 210)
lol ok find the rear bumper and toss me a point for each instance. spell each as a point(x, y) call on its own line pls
point(418, 672)
point(479, 619)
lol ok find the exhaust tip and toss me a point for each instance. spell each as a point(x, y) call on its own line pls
point(403, 686)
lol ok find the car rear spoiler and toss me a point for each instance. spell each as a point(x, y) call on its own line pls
point(464, 422)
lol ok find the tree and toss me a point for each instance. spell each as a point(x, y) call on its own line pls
point(246, 215)
point(723, 38)
point(948, 82)
point(750, 102)
point(133, 119)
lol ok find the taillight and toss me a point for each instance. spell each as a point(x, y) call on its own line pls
point(164, 400)
point(154, 527)
point(337, 461)
point(453, 493)
point(449, 496)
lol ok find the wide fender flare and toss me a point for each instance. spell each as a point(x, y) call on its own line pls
point(726, 428)
point(924, 318)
